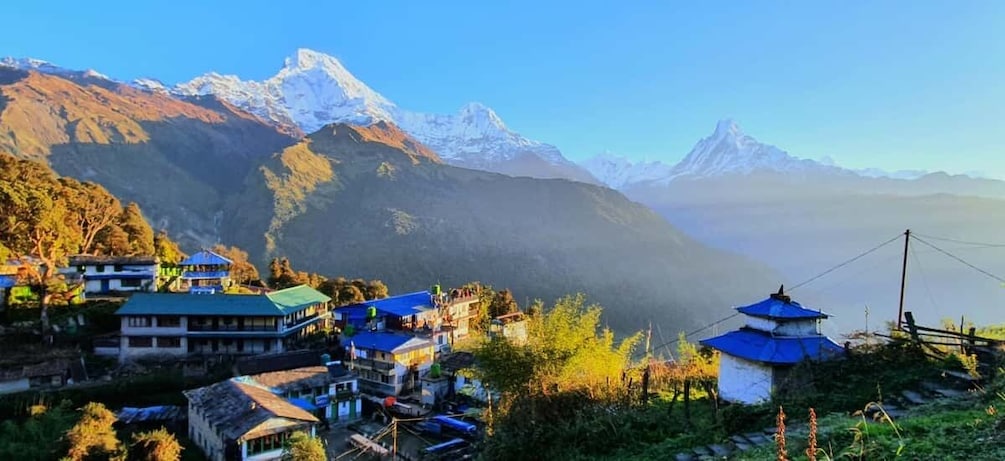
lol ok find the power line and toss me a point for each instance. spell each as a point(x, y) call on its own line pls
point(699, 330)
point(961, 260)
point(856, 258)
point(964, 242)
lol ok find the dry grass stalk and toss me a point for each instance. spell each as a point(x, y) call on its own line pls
point(811, 449)
point(780, 436)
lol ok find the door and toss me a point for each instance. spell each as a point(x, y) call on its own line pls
point(104, 286)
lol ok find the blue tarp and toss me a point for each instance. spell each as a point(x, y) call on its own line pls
point(455, 424)
point(303, 404)
point(778, 309)
point(762, 347)
point(7, 281)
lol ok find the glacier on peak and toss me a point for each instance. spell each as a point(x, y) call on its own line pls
point(313, 89)
point(618, 171)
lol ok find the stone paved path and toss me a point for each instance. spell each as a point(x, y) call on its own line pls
point(895, 408)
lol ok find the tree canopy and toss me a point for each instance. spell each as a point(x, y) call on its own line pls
point(302, 447)
point(242, 271)
point(156, 445)
point(93, 435)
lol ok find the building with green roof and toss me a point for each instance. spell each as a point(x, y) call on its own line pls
point(178, 324)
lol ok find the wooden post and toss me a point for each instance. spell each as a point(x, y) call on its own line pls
point(972, 341)
point(394, 438)
point(912, 328)
point(903, 279)
point(645, 385)
point(687, 402)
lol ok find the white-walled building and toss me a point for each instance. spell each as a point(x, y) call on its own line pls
point(389, 363)
point(178, 324)
point(109, 274)
point(249, 417)
point(778, 333)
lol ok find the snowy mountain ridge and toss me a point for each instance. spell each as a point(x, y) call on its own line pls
point(314, 89)
point(728, 150)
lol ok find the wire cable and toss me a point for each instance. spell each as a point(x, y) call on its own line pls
point(699, 330)
point(856, 258)
point(961, 260)
point(963, 242)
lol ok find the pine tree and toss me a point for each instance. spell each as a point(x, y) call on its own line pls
point(141, 236)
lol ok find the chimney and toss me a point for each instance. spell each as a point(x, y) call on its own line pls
point(254, 405)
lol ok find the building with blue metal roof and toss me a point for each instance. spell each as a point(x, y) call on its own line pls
point(389, 363)
point(778, 334)
point(205, 273)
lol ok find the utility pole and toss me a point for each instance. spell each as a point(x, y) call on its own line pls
point(903, 279)
point(394, 438)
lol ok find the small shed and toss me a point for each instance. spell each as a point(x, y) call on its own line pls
point(778, 333)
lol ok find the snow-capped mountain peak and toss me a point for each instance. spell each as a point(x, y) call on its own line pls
point(481, 116)
point(729, 151)
point(618, 171)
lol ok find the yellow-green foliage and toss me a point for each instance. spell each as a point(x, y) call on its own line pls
point(302, 447)
point(157, 445)
point(93, 435)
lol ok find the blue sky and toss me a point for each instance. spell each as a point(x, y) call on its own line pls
point(894, 84)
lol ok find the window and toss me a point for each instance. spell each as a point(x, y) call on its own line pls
point(139, 322)
point(118, 268)
point(99, 268)
point(169, 322)
point(130, 283)
point(141, 341)
point(171, 342)
point(267, 443)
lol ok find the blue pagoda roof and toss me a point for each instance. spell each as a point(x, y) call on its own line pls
point(206, 258)
point(386, 341)
point(784, 308)
point(759, 346)
point(401, 305)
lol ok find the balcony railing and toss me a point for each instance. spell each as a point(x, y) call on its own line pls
point(301, 320)
point(228, 328)
point(205, 274)
point(373, 364)
point(346, 395)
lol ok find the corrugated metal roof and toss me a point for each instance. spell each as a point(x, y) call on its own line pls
point(385, 341)
point(206, 258)
point(401, 305)
point(780, 309)
point(759, 346)
point(7, 281)
point(277, 303)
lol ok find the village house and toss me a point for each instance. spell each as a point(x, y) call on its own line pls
point(110, 274)
point(174, 324)
point(329, 392)
point(48, 374)
point(510, 326)
point(244, 421)
point(205, 273)
point(440, 317)
point(389, 363)
point(452, 375)
point(778, 333)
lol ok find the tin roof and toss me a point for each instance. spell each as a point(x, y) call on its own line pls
point(385, 341)
point(276, 303)
point(759, 346)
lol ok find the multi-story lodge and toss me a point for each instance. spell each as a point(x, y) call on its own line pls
point(250, 417)
point(175, 324)
point(108, 274)
point(389, 363)
point(442, 317)
point(205, 273)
